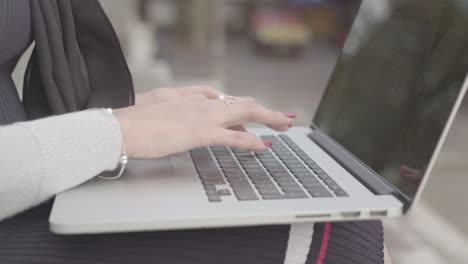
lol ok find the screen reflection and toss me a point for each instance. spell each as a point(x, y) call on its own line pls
point(395, 85)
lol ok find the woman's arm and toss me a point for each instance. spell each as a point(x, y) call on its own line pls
point(41, 158)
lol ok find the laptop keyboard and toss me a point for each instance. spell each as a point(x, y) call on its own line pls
point(284, 171)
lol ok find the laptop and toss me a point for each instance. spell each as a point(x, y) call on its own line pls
point(368, 153)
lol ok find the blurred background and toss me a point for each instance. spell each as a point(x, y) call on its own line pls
point(282, 52)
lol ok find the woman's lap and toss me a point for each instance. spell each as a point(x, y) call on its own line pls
point(26, 239)
point(347, 242)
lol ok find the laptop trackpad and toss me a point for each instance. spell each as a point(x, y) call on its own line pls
point(139, 169)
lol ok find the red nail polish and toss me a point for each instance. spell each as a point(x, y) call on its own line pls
point(290, 126)
point(290, 115)
point(267, 143)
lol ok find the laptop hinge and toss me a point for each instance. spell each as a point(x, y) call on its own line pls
point(361, 172)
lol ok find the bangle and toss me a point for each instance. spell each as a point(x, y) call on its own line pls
point(122, 162)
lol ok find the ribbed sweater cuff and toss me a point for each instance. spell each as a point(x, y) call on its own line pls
point(75, 147)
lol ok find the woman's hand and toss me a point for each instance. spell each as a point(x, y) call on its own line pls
point(167, 94)
point(166, 128)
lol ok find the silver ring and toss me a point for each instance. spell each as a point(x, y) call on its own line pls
point(227, 99)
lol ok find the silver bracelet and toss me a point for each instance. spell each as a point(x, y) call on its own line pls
point(122, 162)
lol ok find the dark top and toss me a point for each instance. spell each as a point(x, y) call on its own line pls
point(15, 37)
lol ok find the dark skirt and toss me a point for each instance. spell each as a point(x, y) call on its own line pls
point(26, 239)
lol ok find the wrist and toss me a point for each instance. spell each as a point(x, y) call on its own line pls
point(125, 128)
point(143, 98)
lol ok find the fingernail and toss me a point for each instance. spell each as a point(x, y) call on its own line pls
point(290, 126)
point(267, 143)
point(290, 115)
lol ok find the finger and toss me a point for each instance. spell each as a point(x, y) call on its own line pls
point(194, 97)
point(291, 116)
point(280, 129)
point(238, 128)
point(206, 91)
point(239, 139)
point(248, 111)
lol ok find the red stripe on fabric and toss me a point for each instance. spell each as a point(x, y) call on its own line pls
point(324, 246)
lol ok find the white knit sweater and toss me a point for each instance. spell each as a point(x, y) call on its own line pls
point(41, 158)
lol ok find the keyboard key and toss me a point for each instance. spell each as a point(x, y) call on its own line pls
point(204, 162)
point(237, 150)
point(253, 171)
point(318, 170)
point(285, 137)
point(334, 187)
point(295, 195)
point(309, 180)
point(266, 159)
point(223, 164)
point(270, 137)
point(269, 192)
point(257, 175)
point(243, 187)
point(292, 189)
point(248, 162)
point(224, 192)
point(272, 165)
point(341, 193)
point(288, 184)
point(211, 192)
point(261, 180)
point(237, 179)
point(245, 155)
point(320, 193)
point(213, 181)
point(323, 176)
point(299, 170)
point(273, 196)
point(276, 169)
point(214, 198)
point(265, 186)
point(279, 174)
point(283, 178)
point(240, 184)
point(231, 169)
point(252, 166)
point(313, 185)
point(245, 196)
point(210, 176)
point(304, 175)
point(313, 166)
point(291, 162)
point(222, 156)
point(209, 187)
point(226, 160)
point(329, 182)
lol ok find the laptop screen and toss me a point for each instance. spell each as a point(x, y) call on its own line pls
point(395, 84)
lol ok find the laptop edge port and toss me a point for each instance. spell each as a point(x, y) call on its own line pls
point(351, 214)
point(378, 213)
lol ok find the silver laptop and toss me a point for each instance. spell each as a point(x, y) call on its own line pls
point(367, 155)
